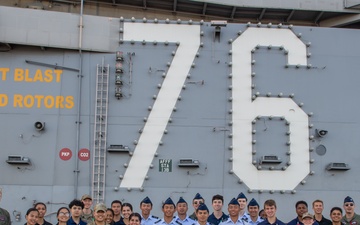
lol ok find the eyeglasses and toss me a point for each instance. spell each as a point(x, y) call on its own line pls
point(64, 214)
point(198, 202)
point(350, 204)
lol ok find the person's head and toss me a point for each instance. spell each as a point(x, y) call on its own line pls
point(217, 202)
point(168, 208)
point(63, 214)
point(146, 206)
point(100, 212)
point(234, 208)
point(270, 208)
point(349, 205)
point(32, 216)
point(198, 199)
point(116, 207)
point(307, 218)
point(181, 206)
point(126, 210)
point(336, 214)
point(109, 216)
point(135, 219)
point(318, 206)
point(253, 208)
point(87, 200)
point(262, 214)
point(241, 198)
point(202, 213)
point(41, 207)
point(301, 208)
point(76, 206)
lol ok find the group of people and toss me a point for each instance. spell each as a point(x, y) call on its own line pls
point(240, 212)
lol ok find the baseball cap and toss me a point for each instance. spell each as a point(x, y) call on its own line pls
point(307, 215)
point(100, 207)
point(86, 196)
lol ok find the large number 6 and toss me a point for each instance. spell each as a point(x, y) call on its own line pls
point(245, 110)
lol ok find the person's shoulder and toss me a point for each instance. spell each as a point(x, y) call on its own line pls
point(47, 223)
point(4, 211)
point(70, 221)
point(154, 217)
point(190, 220)
point(279, 222)
point(326, 220)
point(224, 220)
point(292, 222)
point(158, 221)
point(357, 216)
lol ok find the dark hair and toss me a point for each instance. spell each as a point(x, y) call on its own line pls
point(135, 214)
point(336, 208)
point(39, 203)
point(112, 211)
point(31, 210)
point(128, 205)
point(270, 202)
point(218, 197)
point(116, 201)
point(301, 202)
point(76, 202)
point(261, 212)
point(57, 214)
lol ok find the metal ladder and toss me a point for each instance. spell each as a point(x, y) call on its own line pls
point(100, 132)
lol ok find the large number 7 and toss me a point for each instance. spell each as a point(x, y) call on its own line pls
point(189, 38)
point(245, 110)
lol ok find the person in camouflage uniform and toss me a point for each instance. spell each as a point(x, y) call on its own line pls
point(4, 214)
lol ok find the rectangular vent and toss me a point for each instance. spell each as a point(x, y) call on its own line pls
point(118, 148)
point(270, 159)
point(338, 166)
point(189, 163)
point(18, 159)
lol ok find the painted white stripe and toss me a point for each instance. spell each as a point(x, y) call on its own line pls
point(189, 38)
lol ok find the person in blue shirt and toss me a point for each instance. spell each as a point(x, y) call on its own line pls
point(168, 209)
point(146, 207)
point(218, 215)
point(270, 211)
point(242, 199)
point(116, 207)
point(301, 208)
point(234, 218)
point(182, 208)
point(253, 209)
point(202, 214)
point(76, 206)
